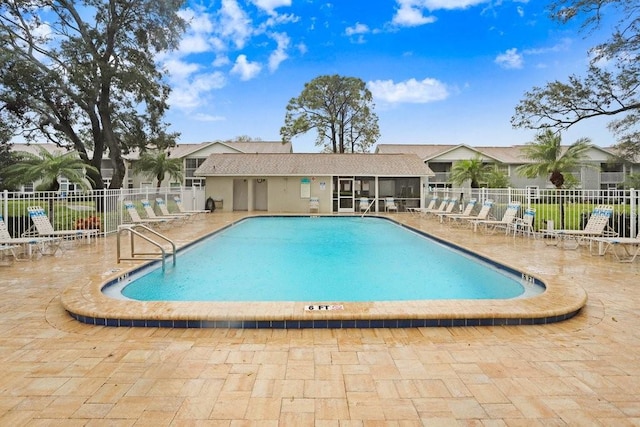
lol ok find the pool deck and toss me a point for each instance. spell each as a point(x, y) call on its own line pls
point(581, 371)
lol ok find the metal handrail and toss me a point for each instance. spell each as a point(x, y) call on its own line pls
point(131, 229)
point(368, 207)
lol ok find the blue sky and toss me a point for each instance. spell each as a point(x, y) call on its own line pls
point(441, 71)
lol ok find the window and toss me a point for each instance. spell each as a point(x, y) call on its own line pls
point(190, 167)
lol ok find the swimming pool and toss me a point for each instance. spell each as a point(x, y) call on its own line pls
point(562, 299)
point(320, 260)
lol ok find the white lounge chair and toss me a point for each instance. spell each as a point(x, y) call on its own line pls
point(509, 216)
point(390, 204)
point(165, 211)
point(135, 217)
point(22, 248)
point(630, 247)
point(430, 206)
point(597, 226)
point(524, 225)
point(151, 214)
point(183, 210)
point(482, 215)
point(466, 213)
point(45, 229)
point(446, 206)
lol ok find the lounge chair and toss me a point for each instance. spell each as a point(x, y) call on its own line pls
point(525, 224)
point(597, 226)
point(466, 213)
point(137, 219)
point(165, 211)
point(390, 204)
point(151, 214)
point(446, 206)
point(314, 204)
point(630, 247)
point(482, 215)
point(45, 229)
point(183, 210)
point(430, 206)
point(26, 245)
point(509, 216)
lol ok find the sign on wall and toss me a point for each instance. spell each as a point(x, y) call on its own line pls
point(305, 188)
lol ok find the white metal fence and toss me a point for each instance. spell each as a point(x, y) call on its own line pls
point(92, 209)
point(568, 209)
point(558, 209)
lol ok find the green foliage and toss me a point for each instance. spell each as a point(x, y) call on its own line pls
point(339, 108)
point(497, 178)
point(474, 170)
point(551, 159)
point(632, 181)
point(157, 164)
point(94, 83)
point(47, 168)
point(609, 88)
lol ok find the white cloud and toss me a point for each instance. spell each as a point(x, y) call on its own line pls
point(202, 117)
point(563, 46)
point(409, 91)
point(280, 54)
point(235, 23)
point(180, 69)
point(410, 15)
point(357, 29)
point(192, 93)
point(450, 4)
point(510, 59)
point(269, 6)
point(245, 69)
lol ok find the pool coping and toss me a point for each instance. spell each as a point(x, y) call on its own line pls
point(86, 303)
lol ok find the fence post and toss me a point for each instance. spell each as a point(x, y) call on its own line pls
point(633, 204)
point(5, 204)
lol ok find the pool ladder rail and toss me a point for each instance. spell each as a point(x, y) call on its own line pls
point(132, 230)
point(368, 207)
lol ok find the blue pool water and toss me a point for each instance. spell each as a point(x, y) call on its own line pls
point(324, 259)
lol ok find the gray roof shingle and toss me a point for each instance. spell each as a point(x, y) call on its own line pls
point(305, 164)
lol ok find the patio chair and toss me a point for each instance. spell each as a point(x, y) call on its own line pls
point(491, 225)
point(26, 245)
point(151, 214)
point(483, 214)
point(314, 204)
point(45, 229)
point(390, 204)
point(183, 210)
point(465, 213)
point(137, 219)
point(446, 206)
point(165, 211)
point(630, 247)
point(525, 224)
point(364, 204)
point(597, 226)
point(430, 206)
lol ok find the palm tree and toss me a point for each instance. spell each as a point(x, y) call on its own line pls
point(157, 164)
point(47, 167)
point(552, 160)
point(474, 170)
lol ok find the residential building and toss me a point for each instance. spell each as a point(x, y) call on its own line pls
point(603, 170)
